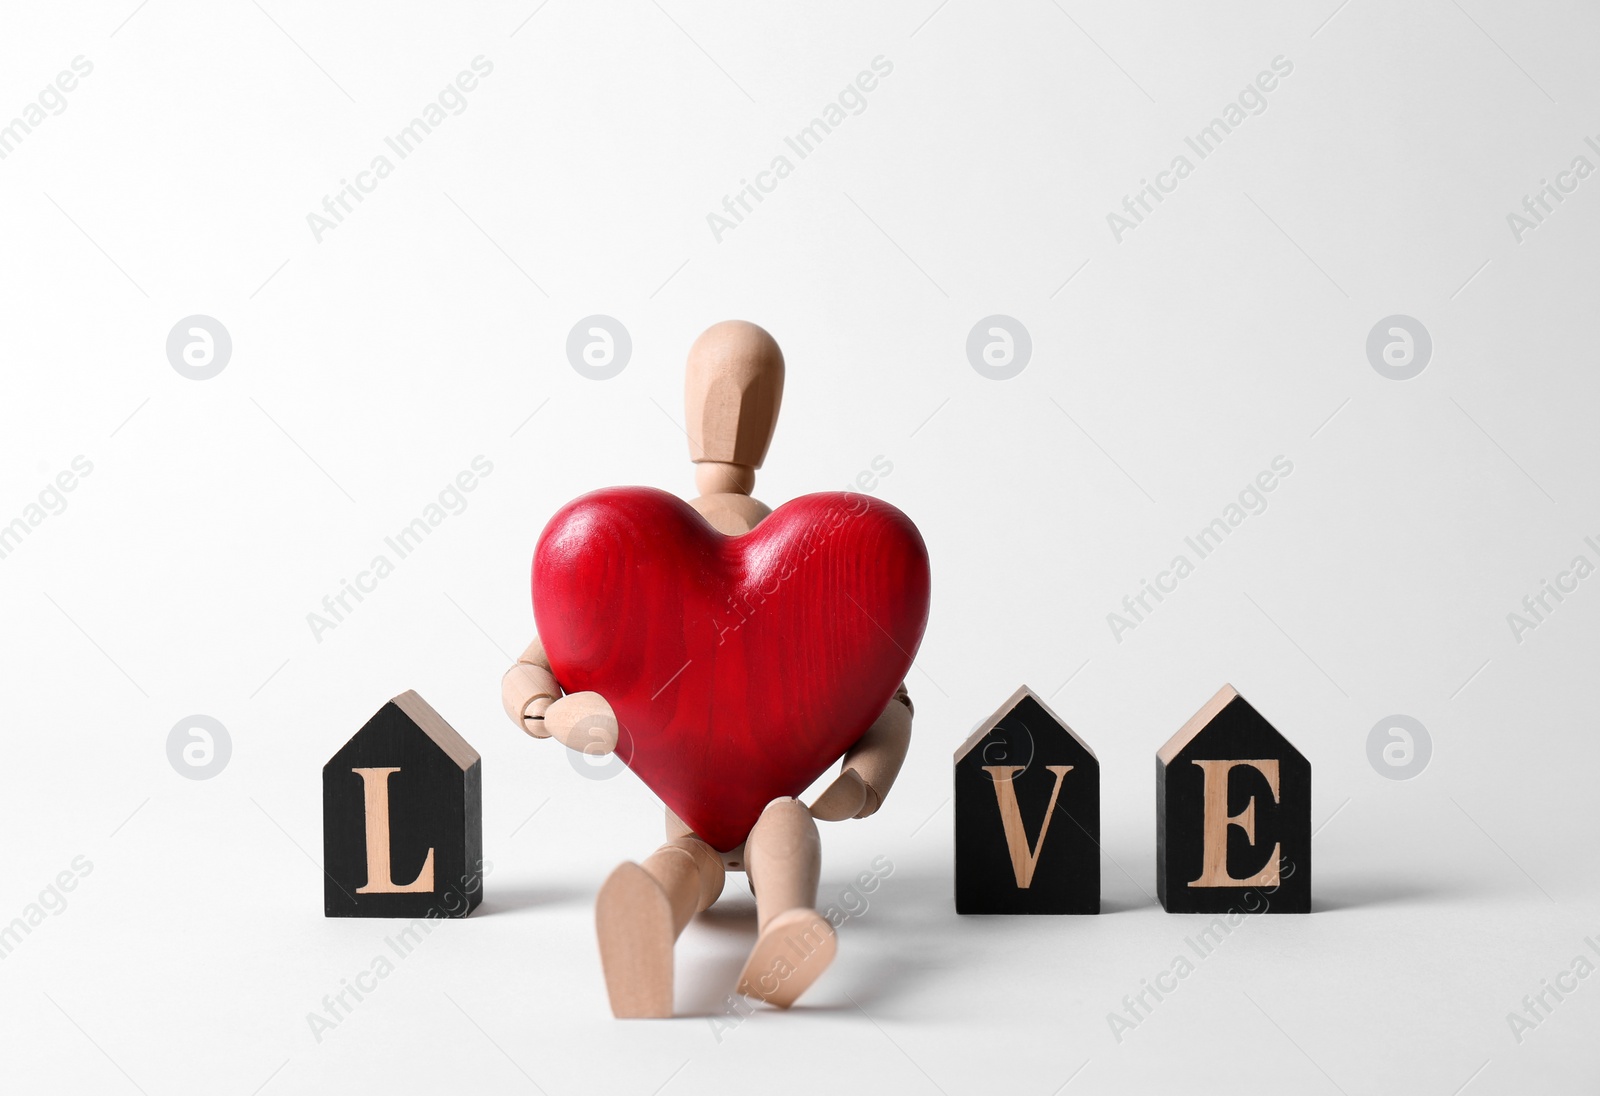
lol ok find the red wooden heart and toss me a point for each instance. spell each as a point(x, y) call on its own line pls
point(739, 668)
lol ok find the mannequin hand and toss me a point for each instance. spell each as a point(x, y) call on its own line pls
point(528, 689)
point(582, 722)
point(847, 797)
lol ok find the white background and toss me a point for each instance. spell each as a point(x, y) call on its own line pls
point(368, 369)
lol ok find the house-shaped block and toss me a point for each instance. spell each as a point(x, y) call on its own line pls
point(1233, 815)
point(402, 818)
point(1027, 814)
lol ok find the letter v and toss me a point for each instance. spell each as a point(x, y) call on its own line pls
point(1023, 859)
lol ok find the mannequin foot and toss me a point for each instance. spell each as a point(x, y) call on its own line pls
point(634, 922)
point(790, 954)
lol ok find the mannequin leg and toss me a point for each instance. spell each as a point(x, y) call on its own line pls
point(639, 913)
point(783, 856)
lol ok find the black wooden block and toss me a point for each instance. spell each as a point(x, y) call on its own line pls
point(1027, 811)
point(402, 818)
point(1233, 815)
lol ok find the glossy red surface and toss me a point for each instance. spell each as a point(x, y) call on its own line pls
point(740, 668)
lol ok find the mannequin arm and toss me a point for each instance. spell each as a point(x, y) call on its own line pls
point(528, 689)
point(870, 766)
point(534, 701)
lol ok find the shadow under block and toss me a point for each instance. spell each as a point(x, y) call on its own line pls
point(1027, 814)
point(402, 818)
point(1233, 815)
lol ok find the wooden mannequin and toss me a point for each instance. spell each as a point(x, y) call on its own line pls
point(733, 389)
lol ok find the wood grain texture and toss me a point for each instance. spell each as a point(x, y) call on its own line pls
point(402, 806)
point(1233, 814)
point(739, 667)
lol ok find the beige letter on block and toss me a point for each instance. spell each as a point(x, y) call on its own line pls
point(1023, 859)
point(1214, 870)
point(376, 785)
